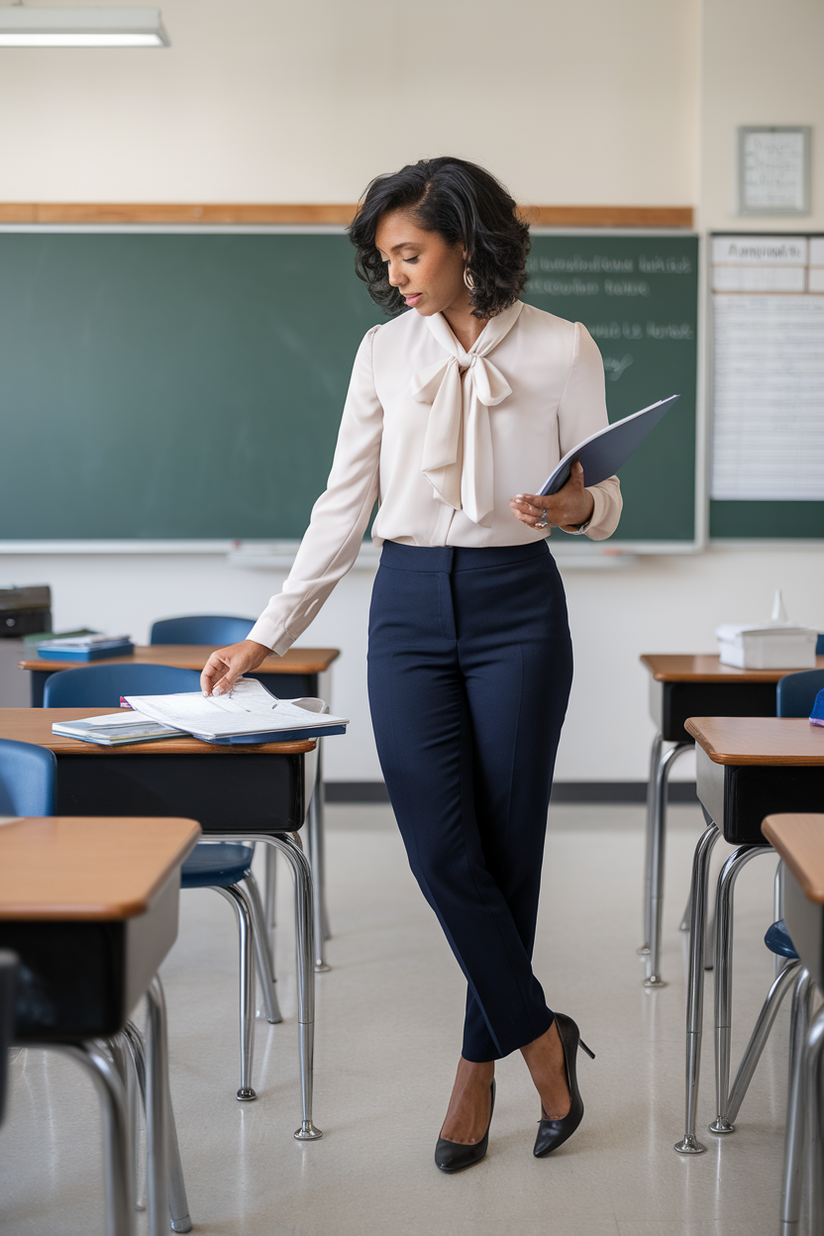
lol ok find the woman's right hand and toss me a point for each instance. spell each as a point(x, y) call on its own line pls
point(226, 665)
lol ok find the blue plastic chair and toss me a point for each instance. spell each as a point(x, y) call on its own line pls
point(795, 693)
point(28, 775)
point(101, 686)
point(201, 629)
point(223, 866)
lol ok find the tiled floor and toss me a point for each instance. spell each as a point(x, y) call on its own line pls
point(388, 1017)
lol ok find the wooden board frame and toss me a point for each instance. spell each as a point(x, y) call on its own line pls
point(315, 213)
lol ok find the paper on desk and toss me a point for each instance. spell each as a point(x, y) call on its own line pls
point(249, 709)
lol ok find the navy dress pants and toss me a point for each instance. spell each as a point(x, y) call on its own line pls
point(470, 667)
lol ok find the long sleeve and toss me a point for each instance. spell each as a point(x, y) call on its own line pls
point(339, 517)
point(582, 411)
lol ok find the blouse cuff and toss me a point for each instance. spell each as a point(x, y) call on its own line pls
point(271, 635)
point(606, 511)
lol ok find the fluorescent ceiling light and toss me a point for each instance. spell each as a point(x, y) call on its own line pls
point(23, 27)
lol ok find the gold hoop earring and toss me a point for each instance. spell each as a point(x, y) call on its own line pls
point(468, 280)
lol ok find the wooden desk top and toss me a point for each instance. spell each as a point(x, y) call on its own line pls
point(799, 839)
point(195, 656)
point(34, 725)
point(88, 867)
point(758, 740)
point(707, 667)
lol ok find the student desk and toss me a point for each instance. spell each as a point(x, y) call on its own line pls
point(799, 839)
point(90, 906)
point(747, 767)
point(237, 793)
point(294, 674)
point(682, 686)
point(297, 673)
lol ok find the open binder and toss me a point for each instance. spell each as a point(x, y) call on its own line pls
point(604, 452)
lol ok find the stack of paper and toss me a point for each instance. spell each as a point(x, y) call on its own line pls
point(249, 710)
point(250, 714)
point(116, 729)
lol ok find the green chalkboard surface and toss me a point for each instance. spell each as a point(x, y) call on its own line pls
point(160, 385)
point(638, 297)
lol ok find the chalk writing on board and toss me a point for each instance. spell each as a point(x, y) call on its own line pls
point(614, 366)
point(575, 264)
point(626, 287)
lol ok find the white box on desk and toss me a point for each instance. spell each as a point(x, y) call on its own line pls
point(780, 646)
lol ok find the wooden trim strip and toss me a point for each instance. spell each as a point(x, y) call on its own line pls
point(609, 216)
point(100, 213)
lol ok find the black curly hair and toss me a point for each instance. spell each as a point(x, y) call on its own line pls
point(462, 202)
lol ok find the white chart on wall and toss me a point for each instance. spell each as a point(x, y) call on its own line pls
point(768, 388)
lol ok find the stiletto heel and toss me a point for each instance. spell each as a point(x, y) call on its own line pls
point(553, 1133)
point(455, 1156)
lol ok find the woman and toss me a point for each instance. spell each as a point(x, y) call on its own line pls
point(452, 407)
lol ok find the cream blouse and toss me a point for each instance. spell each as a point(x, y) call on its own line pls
point(443, 438)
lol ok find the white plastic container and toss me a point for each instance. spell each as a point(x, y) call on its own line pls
point(776, 646)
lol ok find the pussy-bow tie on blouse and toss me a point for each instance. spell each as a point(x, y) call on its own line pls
point(457, 449)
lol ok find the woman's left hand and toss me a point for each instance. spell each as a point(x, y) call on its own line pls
point(570, 507)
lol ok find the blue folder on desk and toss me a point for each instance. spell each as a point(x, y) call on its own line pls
point(278, 735)
point(604, 452)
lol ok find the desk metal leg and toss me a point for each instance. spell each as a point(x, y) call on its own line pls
point(695, 990)
point(317, 858)
point(239, 897)
point(122, 1051)
point(796, 1095)
point(117, 1156)
point(157, 1111)
point(178, 1202)
point(656, 837)
point(654, 760)
point(270, 893)
point(723, 978)
point(815, 1157)
point(263, 952)
point(289, 845)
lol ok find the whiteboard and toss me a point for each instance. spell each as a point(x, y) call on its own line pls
point(768, 370)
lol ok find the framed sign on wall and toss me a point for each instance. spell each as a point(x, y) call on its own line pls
point(774, 170)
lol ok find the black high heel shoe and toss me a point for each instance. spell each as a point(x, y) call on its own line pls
point(455, 1156)
point(553, 1133)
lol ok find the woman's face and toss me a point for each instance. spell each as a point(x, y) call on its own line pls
point(426, 270)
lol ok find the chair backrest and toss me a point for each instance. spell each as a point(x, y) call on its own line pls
point(28, 775)
point(201, 629)
point(101, 686)
point(795, 693)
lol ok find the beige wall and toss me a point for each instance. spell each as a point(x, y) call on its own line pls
point(590, 101)
point(586, 101)
point(760, 64)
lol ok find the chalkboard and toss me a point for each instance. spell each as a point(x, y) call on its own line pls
point(160, 385)
point(638, 297)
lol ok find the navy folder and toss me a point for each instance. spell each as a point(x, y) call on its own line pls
point(604, 452)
